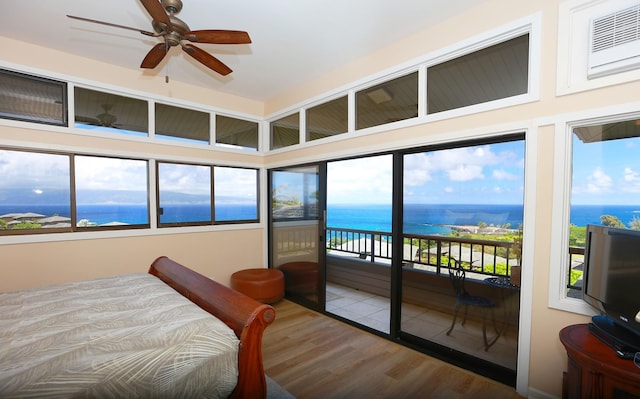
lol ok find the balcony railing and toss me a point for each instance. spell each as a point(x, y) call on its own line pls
point(576, 262)
point(427, 252)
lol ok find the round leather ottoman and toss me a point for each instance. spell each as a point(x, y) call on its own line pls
point(301, 277)
point(263, 285)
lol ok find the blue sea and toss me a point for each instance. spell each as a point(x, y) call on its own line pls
point(434, 219)
point(419, 218)
point(137, 214)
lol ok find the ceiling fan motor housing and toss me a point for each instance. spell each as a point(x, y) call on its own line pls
point(172, 6)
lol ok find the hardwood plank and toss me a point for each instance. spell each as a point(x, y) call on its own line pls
point(315, 356)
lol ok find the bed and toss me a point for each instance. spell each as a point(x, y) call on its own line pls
point(135, 335)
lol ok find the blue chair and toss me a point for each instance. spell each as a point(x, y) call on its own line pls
point(457, 275)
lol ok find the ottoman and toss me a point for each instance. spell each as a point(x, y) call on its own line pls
point(263, 285)
point(301, 278)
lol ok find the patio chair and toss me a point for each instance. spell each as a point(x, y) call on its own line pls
point(457, 275)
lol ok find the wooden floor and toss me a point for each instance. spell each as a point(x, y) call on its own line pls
point(315, 356)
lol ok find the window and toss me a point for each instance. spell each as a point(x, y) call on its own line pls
point(236, 194)
point(388, 102)
point(598, 171)
point(496, 72)
point(184, 194)
point(285, 131)
point(328, 119)
point(605, 184)
point(32, 99)
point(34, 191)
point(183, 124)
point(294, 193)
point(236, 132)
point(110, 112)
point(111, 192)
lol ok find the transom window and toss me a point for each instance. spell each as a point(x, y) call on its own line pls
point(96, 110)
point(183, 124)
point(32, 99)
point(496, 72)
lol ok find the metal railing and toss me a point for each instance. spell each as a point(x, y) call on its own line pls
point(576, 261)
point(430, 252)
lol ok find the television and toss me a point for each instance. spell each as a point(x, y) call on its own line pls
point(611, 284)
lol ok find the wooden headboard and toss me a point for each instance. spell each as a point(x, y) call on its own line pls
point(247, 317)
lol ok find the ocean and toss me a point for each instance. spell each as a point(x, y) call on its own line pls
point(419, 218)
point(137, 214)
point(434, 218)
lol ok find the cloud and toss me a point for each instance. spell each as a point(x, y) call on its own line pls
point(235, 182)
point(465, 172)
point(362, 180)
point(101, 173)
point(501, 174)
point(33, 171)
point(631, 176)
point(599, 181)
point(457, 164)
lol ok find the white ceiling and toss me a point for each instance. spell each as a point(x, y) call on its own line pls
point(292, 40)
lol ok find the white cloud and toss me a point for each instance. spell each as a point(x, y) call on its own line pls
point(631, 176)
point(599, 181)
point(235, 182)
point(501, 174)
point(363, 180)
point(99, 173)
point(466, 172)
point(33, 171)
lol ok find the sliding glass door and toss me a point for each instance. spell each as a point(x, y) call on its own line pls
point(420, 245)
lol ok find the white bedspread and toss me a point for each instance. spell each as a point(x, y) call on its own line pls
point(125, 336)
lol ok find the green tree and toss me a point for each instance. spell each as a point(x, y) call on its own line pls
point(634, 224)
point(611, 221)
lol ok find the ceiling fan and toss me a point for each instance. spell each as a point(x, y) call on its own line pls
point(174, 31)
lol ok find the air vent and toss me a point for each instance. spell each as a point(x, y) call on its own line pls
point(615, 42)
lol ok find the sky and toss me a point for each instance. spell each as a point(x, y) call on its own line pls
point(39, 173)
point(606, 172)
point(603, 173)
point(486, 174)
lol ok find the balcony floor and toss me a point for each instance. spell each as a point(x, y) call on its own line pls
point(374, 311)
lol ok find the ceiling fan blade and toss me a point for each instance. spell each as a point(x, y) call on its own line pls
point(218, 36)
point(157, 12)
point(154, 56)
point(144, 32)
point(207, 59)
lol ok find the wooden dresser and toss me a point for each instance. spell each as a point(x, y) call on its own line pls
point(594, 370)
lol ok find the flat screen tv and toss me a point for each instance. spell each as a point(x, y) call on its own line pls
point(612, 285)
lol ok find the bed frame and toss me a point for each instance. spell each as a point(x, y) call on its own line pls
point(247, 317)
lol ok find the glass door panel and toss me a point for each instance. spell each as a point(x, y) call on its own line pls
point(358, 260)
point(296, 231)
point(462, 223)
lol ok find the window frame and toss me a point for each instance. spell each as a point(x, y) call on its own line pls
point(561, 194)
point(65, 98)
point(236, 221)
point(529, 25)
point(119, 133)
point(153, 226)
point(160, 224)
